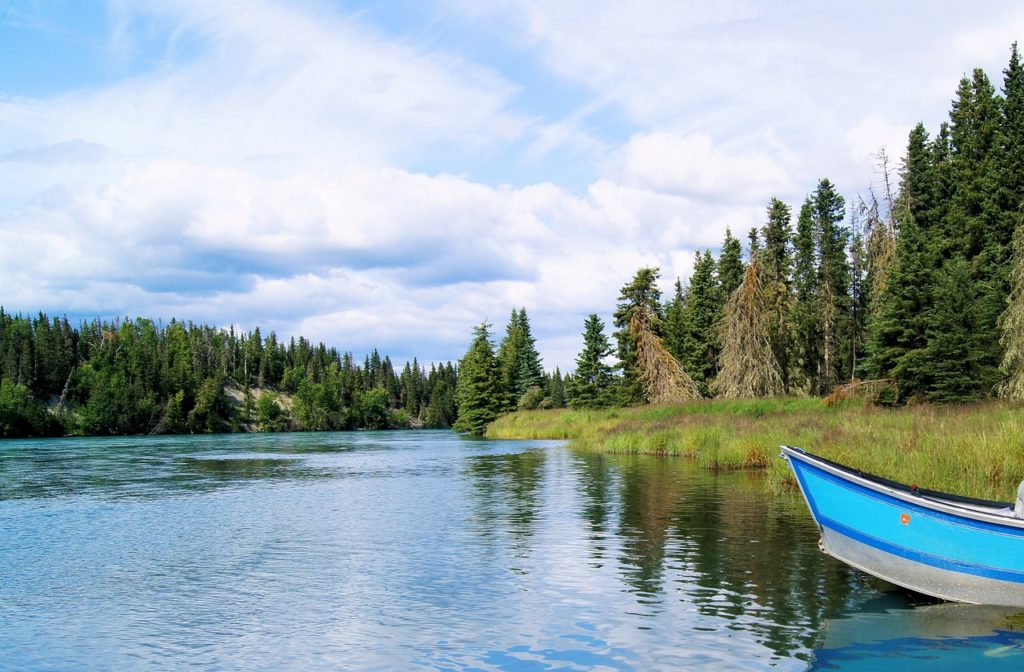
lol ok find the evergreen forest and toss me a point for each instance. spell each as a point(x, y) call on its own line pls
point(137, 377)
point(911, 293)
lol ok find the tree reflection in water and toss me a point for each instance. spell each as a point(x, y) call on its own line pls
point(717, 542)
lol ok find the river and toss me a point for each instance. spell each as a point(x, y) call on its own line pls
point(427, 550)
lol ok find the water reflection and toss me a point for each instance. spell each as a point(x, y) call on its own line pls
point(505, 487)
point(890, 631)
point(715, 543)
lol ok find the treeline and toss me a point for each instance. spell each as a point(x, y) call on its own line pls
point(911, 293)
point(138, 377)
point(914, 293)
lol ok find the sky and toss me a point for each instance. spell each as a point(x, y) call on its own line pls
point(389, 175)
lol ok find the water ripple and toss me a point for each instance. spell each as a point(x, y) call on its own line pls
point(400, 551)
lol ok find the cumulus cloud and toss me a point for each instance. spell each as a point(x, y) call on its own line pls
point(286, 165)
point(386, 246)
point(871, 135)
point(692, 166)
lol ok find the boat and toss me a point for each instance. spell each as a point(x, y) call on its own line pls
point(946, 546)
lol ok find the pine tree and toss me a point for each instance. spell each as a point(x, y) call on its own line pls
point(592, 385)
point(479, 392)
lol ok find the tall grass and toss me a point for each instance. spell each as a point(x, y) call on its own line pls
point(975, 450)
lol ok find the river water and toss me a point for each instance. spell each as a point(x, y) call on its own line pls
point(426, 550)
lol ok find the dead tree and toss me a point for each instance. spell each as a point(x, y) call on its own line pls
point(663, 377)
point(747, 365)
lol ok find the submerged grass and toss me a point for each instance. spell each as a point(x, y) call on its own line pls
point(975, 450)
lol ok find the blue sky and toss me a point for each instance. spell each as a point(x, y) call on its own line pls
point(390, 174)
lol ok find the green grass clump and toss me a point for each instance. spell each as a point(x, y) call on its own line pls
point(975, 450)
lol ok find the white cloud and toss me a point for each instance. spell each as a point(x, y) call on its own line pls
point(759, 78)
point(287, 166)
point(367, 253)
point(873, 134)
point(272, 81)
point(692, 166)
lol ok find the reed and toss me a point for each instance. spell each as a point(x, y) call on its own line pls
point(975, 450)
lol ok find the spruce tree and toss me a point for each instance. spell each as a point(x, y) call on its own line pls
point(675, 323)
point(508, 363)
point(528, 362)
point(555, 392)
point(640, 295)
point(518, 360)
point(956, 359)
point(897, 334)
point(833, 284)
point(775, 262)
point(806, 305)
point(592, 385)
point(479, 387)
point(700, 319)
point(1011, 169)
point(776, 258)
point(730, 268)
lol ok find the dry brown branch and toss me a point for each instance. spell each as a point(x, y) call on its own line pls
point(747, 365)
point(862, 388)
point(663, 377)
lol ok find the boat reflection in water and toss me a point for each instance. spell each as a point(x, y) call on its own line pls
point(890, 632)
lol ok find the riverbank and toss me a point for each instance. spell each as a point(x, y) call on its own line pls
point(975, 450)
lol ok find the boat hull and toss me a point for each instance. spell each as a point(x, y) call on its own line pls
point(934, 547)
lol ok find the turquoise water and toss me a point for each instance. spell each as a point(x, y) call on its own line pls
point(425, 550)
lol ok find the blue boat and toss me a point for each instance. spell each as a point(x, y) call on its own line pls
point(950, 547)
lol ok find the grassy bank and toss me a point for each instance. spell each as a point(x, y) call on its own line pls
point(975, 450)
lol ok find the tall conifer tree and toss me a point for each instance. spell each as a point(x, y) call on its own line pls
point(806, 310)
point(700, 319)
point(479, 387)
point(730, 267)
point(592, 384)
point(775, 262)
point(641, 293)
